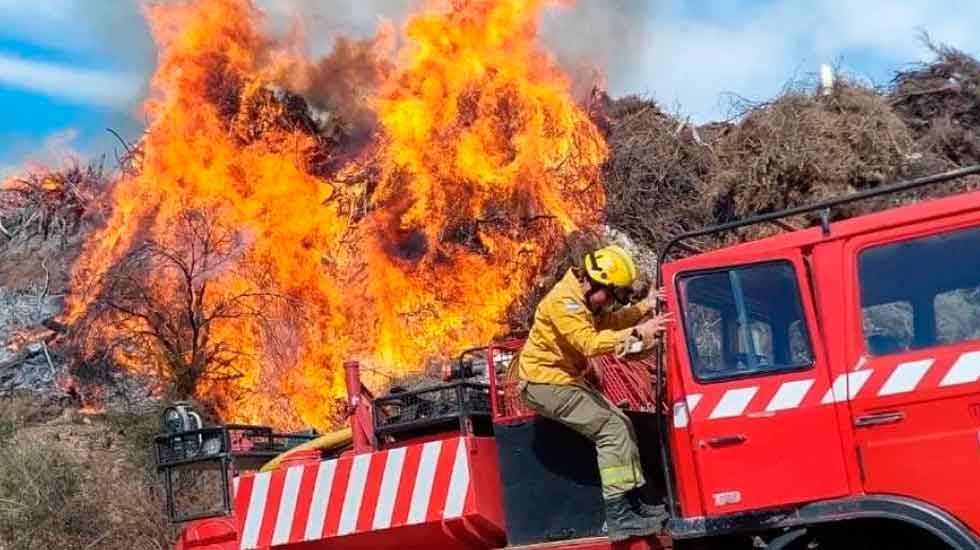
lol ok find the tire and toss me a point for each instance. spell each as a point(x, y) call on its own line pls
point(869, 535)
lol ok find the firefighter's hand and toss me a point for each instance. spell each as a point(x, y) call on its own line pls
point(655, 296)
point(649, 329)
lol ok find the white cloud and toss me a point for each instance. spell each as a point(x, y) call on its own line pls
point(95, 27)
point(107, 89)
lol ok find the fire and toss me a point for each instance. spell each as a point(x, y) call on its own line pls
point(412, 244)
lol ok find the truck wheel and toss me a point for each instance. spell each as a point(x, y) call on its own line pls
point(869, 535)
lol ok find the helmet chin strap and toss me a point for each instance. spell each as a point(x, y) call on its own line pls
point(593, 288)
point(596, 287)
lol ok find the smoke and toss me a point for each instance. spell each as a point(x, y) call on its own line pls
point(344, 81)
point(350, 51)
point(595, 41)
point(349, 45)
point(55, 152)
point(599, 40)
point(588, 37)
point(325, 22)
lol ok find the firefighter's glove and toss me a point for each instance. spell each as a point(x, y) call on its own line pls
point(631, 346)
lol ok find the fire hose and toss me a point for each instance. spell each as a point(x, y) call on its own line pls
point(325, 442)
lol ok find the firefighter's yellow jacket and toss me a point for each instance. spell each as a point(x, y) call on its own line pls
point(565, 334)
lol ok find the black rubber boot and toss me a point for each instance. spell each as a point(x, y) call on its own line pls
point(623, 522)
point(647, 510)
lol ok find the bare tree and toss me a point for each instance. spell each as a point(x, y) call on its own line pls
point(193, 307)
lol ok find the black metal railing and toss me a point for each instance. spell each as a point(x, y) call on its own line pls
point(430, 407)
point(197, 465)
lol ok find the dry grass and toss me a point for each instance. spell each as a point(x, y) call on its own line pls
point(77, 481)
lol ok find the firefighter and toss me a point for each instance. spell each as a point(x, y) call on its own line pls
point(576, 321)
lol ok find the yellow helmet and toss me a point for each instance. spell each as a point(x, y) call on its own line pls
point(611, 266)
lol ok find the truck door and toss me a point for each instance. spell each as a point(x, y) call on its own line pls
point(915, 320)
point(755, 380)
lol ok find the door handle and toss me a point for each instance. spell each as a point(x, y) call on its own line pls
point(879, 419)
point(727, 440)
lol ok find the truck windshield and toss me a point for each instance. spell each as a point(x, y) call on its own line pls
point(744, 320)
point(921, 292)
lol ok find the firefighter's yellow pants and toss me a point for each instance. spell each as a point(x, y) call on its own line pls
point(586, 411)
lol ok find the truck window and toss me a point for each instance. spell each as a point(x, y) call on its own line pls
point(708, 342)
point(744, 321)
point(957, 315)
point(921, 292)
point(888, 327)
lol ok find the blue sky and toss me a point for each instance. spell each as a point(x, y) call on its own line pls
point(71, 68)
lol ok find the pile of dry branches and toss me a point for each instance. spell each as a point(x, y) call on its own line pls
point(665, 176)
point(940, 102)
point(48, 203)
point(807, 146)
point(658, 177)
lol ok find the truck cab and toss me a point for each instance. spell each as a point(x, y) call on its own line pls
point(830, 374)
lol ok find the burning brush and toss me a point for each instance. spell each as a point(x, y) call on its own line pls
point(406, 240)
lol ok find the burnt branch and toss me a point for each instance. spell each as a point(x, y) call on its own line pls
point(194, 304)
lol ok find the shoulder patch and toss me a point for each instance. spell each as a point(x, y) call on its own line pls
point(572, 306)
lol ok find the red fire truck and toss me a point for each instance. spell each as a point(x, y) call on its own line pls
point(820, 389)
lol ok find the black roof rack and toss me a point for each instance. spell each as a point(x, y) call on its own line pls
point(777, 217)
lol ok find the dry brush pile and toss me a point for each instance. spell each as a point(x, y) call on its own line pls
point(666, 176)
point(44, 216)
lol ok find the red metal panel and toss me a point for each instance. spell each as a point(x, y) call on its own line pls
point(243, 493)
point(338, 494)
point(687, 482)
point(741, 431)
point(441, 493)
point(932, 453)
point(440, 482)
point(273, 501)
point(403, 500)
point(302, 514)
point(928, 448)
point(372, 490)
point(831, 288)
point(485, 497)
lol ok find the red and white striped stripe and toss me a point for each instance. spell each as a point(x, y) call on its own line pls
point(764, 399)
point(367, 492)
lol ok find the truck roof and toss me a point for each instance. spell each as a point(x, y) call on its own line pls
point(803, 238)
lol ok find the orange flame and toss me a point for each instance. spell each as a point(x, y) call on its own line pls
point(415, 246)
